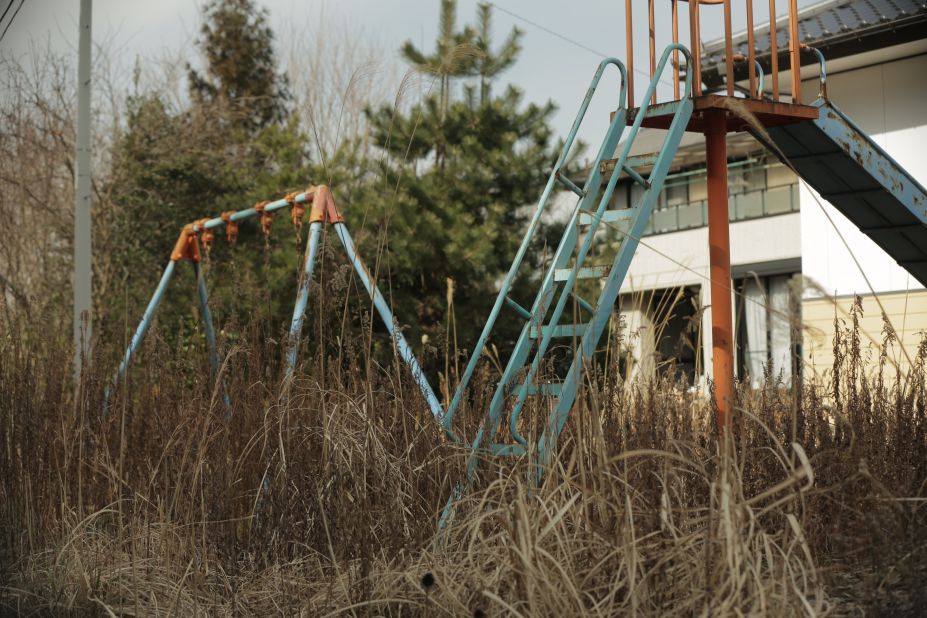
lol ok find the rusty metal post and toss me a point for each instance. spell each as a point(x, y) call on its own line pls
point(653, 48)
point(696, 50)
point(728, 48)
point(751, 49)
point(675, 52)
point(794, 52)
point(773, 50)
point(630, 43)
point(719, 249)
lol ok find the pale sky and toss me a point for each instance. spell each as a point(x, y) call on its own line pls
point(548, 68)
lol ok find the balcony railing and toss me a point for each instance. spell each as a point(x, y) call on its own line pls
point(756, 204)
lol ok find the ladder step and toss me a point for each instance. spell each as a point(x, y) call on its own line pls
point(630, 171)
point(606, 166)
point(518, 308)
point(588, 272)
point(582, 302)
point(569, 184)
point(507, 450)
point(546, 389)
point(564, 330)
point(609, 216)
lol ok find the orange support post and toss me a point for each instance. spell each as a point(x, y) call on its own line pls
point(794, 52)
point(728, 48)
point(719, 248)
point(773, 50)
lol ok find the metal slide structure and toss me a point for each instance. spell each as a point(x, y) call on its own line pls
point(848, 169)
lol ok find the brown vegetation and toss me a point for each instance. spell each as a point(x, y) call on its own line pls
point(327, 500)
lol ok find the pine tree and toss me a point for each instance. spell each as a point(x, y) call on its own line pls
point(454, 56)
point(490, 63)
point(463, 217)
point(231, 147)
point(241, 66)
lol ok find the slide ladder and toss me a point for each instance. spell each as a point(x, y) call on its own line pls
point(557, 312)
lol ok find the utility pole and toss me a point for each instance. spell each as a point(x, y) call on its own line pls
point(82, 253)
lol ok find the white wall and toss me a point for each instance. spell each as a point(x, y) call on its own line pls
point(889, 102)
point(756, 240)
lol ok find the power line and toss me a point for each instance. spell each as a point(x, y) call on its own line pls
point(15, 13)
point(7, 10)
point(566, 38)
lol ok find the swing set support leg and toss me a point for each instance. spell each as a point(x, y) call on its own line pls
point(386, 315)
point(210, 333)
point(302, 299)
point(143, 326)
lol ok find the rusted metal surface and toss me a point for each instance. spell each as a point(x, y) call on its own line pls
point(794, 51)
point(675, 52)
point(751, 50)
point(653, 46)
point(187, 246)
point(766, 113)
point(323, 206)
point(730, 75)
point(728, 48)
point(862, 181)
point(774, 50)
point(694, 48)
point(719, 249)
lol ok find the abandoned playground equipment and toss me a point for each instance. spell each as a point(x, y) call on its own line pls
point(818, 141)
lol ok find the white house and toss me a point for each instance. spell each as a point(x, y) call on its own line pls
point(797, 263)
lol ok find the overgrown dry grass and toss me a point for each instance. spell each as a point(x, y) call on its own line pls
point(325, 502)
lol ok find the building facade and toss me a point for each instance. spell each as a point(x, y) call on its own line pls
point(797, 263)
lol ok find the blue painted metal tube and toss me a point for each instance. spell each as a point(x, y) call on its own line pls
point(567, 289)
point(623, 259)
point(140, 331)
point(302, 297)
point(249, 212)
point(582, 302)
point(387, 316)
point(761, 77)
point(611, 289)
point(210, 332)
point(518, 308)
point(817, 52)
point(206, 315)
point(545, 296)
point(532, 228)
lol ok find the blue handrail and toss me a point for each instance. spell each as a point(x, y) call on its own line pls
point(529, 234)
point(547, 334)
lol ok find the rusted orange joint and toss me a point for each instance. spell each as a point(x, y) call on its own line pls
point(267, 218)
point(231, 227)
point(323, 207)
point(206, 236)
point(187, 246)
point(297, 209)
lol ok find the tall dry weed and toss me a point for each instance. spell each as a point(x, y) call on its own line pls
point(325, 500)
